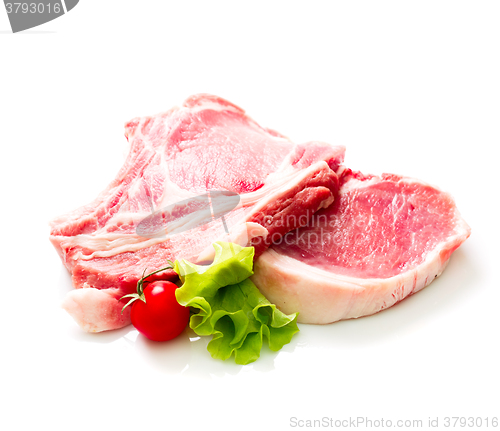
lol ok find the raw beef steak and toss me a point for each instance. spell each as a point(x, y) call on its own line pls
point(382, 239)
point(194, 175)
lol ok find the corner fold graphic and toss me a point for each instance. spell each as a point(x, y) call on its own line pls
point(26, 15)
point(70, 4)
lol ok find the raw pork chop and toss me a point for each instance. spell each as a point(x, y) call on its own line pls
point(382, 239)
point(162, 203)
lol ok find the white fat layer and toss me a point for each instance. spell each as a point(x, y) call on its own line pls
point(322, 296)
point(212, 106)
point(354, 183)
point(105, 244)
point(241, 235)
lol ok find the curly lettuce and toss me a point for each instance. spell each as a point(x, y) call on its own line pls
point(230, 307)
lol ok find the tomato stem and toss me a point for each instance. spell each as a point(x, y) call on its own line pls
point(140, 283)
point(140, 286)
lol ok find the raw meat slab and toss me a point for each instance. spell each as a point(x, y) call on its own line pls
point(156, 207)
point(382, 239)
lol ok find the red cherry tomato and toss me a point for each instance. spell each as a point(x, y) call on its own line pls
point(161, 317)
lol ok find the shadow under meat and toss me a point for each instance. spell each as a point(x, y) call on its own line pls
point(451, 288)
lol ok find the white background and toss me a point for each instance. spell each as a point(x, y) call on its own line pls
point(409, 87)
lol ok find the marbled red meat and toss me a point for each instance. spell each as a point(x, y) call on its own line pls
point(207, 144)
point(382, 239)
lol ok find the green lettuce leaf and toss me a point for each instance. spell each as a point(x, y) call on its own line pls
point(230, 307)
